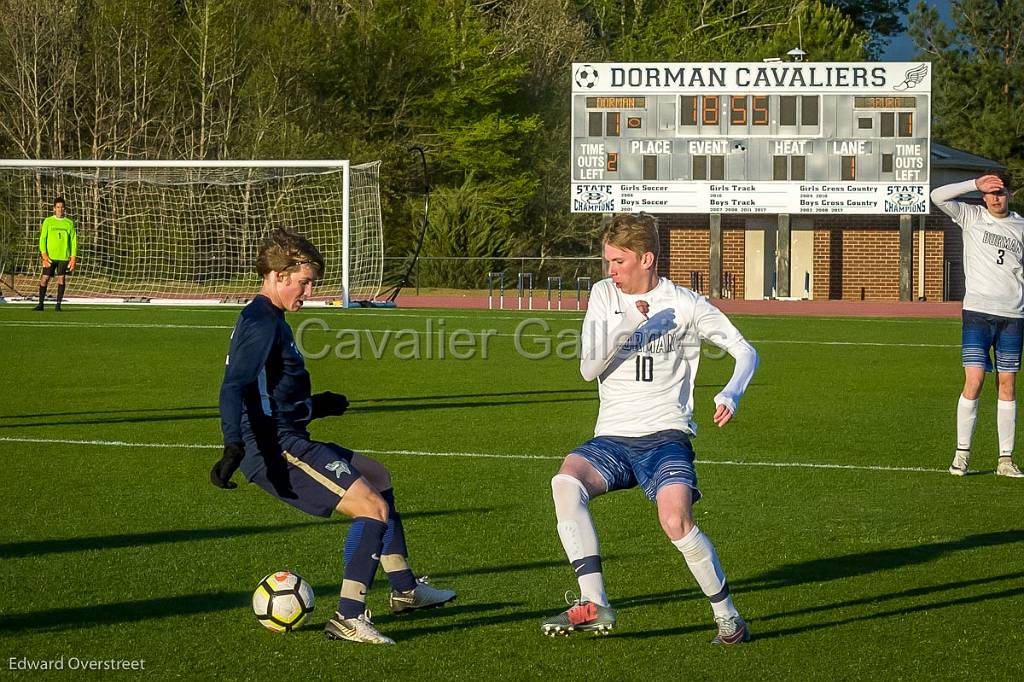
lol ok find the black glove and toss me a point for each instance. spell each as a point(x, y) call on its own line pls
point(222, 471)
point(328, 404)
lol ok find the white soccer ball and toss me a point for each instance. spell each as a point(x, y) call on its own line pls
point(282, 601)
point(586, 76)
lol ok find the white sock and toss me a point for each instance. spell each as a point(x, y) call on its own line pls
point(966, 417)
point(703, 562)
point(579, 539)
point(1006, 426)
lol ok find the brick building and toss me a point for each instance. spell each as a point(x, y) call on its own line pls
point(852, 257)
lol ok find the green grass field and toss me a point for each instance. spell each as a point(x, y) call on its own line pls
point(850, 550)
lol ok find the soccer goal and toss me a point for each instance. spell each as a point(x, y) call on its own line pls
point(187, 230)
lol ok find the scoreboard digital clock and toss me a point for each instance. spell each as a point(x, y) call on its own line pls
point(751, 137)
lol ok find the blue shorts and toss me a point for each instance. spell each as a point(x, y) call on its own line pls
point(982, 332)
point(654, 461)
point(309, 475)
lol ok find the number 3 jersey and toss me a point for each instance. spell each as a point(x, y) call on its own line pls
point(646, 367)
point(992, 253)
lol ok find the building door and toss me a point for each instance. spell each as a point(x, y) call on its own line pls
point(801, 261)
point(759, 259)
point(753, 265)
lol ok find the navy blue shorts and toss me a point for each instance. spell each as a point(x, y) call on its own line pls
point(982, 332)
point(654, 461)
point(310, 476)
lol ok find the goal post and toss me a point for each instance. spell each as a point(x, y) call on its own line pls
point(190, 230)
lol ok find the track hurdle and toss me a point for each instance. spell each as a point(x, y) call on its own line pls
point(580, 289)
point(500, 278)
point(552, 283)
point(525, 280)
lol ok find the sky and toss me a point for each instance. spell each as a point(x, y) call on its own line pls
point(901, 48)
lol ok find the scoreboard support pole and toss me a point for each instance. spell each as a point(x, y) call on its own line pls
point(922, 223)
point(782, 256)
point(715, 266)
point(906, 257)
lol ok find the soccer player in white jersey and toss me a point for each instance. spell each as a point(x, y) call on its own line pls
point(642, 340)
point(992, 312)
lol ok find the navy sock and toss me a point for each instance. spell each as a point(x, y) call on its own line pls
point(362, 556)
point(395, 555)
point(60, 292)
point(42, 294)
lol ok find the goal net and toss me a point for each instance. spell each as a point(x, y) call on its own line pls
point(191, 230)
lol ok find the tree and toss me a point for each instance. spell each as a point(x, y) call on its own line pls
point(881, 19)
point(978, 77)
point(38, 72)
point(119, 103)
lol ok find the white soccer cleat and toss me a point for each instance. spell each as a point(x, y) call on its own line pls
point(961, 460)
point(1007, 468)
point(358, 629)
point(731, 630)
point(423, 596)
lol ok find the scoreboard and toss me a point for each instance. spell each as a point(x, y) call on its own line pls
point(800, 137)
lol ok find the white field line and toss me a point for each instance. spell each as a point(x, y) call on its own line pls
point(110, 325)
point(433, 332)
point(566, 313)
point(473, 455)
point(556, 316)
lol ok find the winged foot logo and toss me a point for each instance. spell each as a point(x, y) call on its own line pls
point(912, 77)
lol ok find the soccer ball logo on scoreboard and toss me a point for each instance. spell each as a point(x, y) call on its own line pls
point(586, 76)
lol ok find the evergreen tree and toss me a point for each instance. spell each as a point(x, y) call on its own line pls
point(978, 77)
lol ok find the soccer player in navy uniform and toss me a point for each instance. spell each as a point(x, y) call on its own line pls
point(642, 340)
point(266, 405)
point(58, 249)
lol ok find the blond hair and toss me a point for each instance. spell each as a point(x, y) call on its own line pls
point(636, 232)
point(285, 251)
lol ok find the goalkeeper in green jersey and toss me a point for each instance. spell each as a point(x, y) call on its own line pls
point(58, 247)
